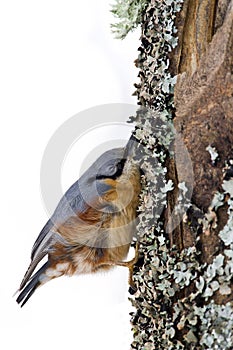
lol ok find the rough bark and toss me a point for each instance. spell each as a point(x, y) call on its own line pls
point(203, 61)
point(184, 296)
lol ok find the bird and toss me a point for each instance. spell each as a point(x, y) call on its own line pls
point(92, 226)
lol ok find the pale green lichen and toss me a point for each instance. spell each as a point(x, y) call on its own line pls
point(215, 322)
point(213, 153)
point(216, 326)
point(217, 201)
point(182, 204)
point(129, 16)
point(226, 234)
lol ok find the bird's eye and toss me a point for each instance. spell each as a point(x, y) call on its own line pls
point(112, 169)
point(118, 169)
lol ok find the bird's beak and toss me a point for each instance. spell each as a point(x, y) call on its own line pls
point(131, 148)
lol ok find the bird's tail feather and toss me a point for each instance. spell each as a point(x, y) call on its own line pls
point(32, 285)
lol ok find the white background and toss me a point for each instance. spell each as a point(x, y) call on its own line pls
point(57, 58)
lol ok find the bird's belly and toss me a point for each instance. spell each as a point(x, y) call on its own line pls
point(94, 247)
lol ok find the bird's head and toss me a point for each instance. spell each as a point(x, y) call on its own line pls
point(113, 177)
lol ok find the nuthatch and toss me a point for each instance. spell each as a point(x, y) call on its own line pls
point(92, 226)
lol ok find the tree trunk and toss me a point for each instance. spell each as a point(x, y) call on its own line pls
point(184, 284)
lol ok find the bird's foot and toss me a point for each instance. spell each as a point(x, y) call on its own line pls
point(129, 264)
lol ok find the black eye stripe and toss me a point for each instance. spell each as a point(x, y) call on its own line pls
point(120, 167)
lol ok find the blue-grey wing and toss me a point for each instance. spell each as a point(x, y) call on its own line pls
point(70, 204)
